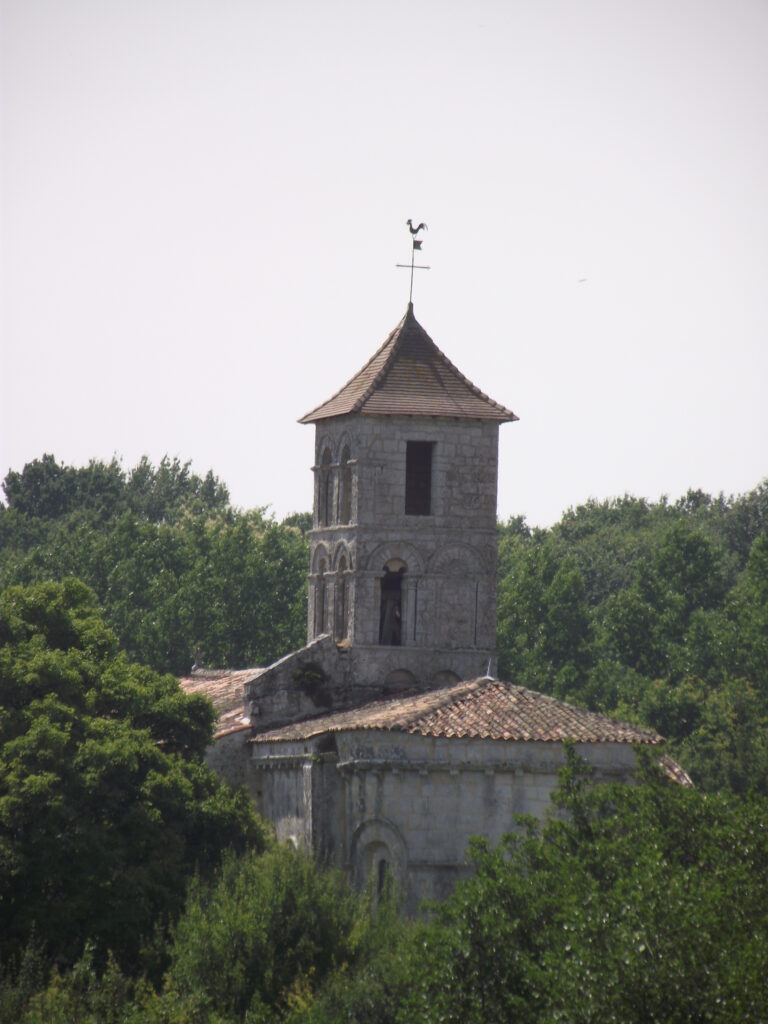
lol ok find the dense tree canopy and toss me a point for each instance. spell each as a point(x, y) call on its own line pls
point(631, 904)
point(46, 490)
point(641, 903)
point(180, 574)
point(105, 803)
point(654, 612)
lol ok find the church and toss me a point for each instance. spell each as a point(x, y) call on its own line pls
point(387, 741)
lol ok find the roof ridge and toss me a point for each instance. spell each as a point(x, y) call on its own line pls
point(410, 375)
point(465, 380)
point(577, 707)
point(469, 688)
point(366, 364)
point(449, 696)
point(396, 337)
point(481, 708)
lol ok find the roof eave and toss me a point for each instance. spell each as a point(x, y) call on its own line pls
point(355, 404)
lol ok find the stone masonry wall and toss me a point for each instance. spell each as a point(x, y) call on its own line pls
point(325, 676)
point(449, 583)
point(416, 801)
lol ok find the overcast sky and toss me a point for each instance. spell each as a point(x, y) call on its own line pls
point(203, 203)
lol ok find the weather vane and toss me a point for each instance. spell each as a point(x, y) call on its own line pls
point(415, 248)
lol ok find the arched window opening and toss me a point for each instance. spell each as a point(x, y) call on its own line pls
point(320, 599)
point(391, 615)
point(400, 680)
point(342, 600)
point(326, 489)
point(345, 487)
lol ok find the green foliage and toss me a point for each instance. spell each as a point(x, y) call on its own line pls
point(266, 930)
point(633, 904)
point(302, 521)
point(383, 967)
point(46, 490)
point(655, 612)
point(544, 626)
point(105, 803)
point(180, 575)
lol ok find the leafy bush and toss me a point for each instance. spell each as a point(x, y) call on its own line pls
point(106, 805)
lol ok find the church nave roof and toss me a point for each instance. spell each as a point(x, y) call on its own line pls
point(479, 709)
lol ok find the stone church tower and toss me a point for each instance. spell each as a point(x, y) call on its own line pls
point(402, 576)
point(403, 549)
point(387, 741)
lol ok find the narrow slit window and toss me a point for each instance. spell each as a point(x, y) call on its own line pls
point(342, 600)
point(418, 478)
point(345, 488)
point(320, 600)
point(382, 876)
point(326, 489)
point(390, 620)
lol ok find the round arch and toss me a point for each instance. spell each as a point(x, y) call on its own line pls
point(374, 841)
point(342, 442)
point(399, 679)
point(455, 559)
point(319, 555)
point(342, 550)
point(324, 443)
point(405, 553)
point(445, 677)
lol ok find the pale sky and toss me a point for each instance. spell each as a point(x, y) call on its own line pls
point(203, 203)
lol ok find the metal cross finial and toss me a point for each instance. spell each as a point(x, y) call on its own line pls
point(416, 247)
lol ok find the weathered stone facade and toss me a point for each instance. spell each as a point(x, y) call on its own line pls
point(357, 799)
point(403, 546)
point(447, 557)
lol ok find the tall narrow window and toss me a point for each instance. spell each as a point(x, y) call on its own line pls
point(320, 600)
point(326, 489)
point(382, 876)
point(390, 619)
point(341, 600)
point(345, 487)
point(418, 478)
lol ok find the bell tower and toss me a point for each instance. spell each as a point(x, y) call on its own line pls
point(403, 545)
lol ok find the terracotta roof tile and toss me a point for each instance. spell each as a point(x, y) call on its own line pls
point(410, 376)
point(225, 690)
point(479, 709)
point(674, 772)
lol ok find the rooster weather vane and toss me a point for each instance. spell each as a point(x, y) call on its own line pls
point(416, 247)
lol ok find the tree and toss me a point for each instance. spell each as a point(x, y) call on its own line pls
point(43, 489)
point(745, 632)
point(106, 805)
point(633, 903)
point(46, 490)
point(544, 628)
point(267, 927)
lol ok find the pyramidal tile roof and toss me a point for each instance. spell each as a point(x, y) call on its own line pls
point(479, 709)
point(410, 376)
